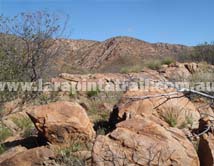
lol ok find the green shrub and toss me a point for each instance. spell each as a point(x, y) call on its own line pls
point(72, 93)
point(4, 132)
point(167, 61)
point(1, 113)
point(171, 118)
point(187, 122)
point(25, 124)
point(2, 149)
point(125, 70)
point(153, 64)
point(66, 156)
point(93, 93)
point(171, 114)
point(201, 53)
point(74, 147)
point(42, 98)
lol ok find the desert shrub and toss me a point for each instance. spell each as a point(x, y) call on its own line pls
point(2, 149)
point(26, 48)
point(131, 69)
point(25, 125)
point(74, 147)
point(4, 132)
point(171, 118)
point(93, 92)
point(153, 64)
point(42, 98)
point(67, 157)
point(167, 61)
point(157, 63)
point(125, 61)
point(95, 113)
point(73, 93)
point(172, 115)
point(100, 118)
point(201, 53)
point(187, 122)
point(125, 70)
point(1, 112)
point(202, 77)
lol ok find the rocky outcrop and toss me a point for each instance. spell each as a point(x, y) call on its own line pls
point(11, 153)
point(120, 51)
point(143, 142)
point(177, 71)
point(110, 77)
point(31, 157)
point(62, 122)
point(206, 149)
point(192, 67)
point(165, 104)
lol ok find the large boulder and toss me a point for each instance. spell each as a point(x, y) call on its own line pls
point(143, 142)
point(62, 122)
point(191, 67)
point(153, 101)
point(31, 157)
point(176, 72)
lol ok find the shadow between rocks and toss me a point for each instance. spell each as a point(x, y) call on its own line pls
point(29, 142)
point(107, 126)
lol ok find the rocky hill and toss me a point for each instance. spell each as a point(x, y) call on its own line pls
point(112, 54)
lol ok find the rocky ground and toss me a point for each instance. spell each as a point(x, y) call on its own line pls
point(135, 127)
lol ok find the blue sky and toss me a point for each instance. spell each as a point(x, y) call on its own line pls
point(188, 22)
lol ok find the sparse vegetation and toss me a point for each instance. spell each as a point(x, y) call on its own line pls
point(68, 157)
point(2, 149)
point(171, 117)
point(26, 48)
point(43, 98)
point(188, 122)
point(131, 69)
point(201, 53)
point(73, 93)
point(153, 64)
point(167, 61)
point(189, 119)
point(202, 77)
point(1, 112)
point(157, 63)
point(4, 132)
point(31, 51)
point(93, 92)
point(25, 125)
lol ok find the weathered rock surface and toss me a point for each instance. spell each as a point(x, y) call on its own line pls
point(31, 157)
point(178, 71)
point(143, 142)
point(109, 77)
point(192, 67)
point(147, 102)
point(60, 122)
point(206, 150)
point(11, 153)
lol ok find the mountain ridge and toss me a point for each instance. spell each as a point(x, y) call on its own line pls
point(110, 54)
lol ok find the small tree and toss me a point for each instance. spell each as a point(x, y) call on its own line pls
point(28, 43)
